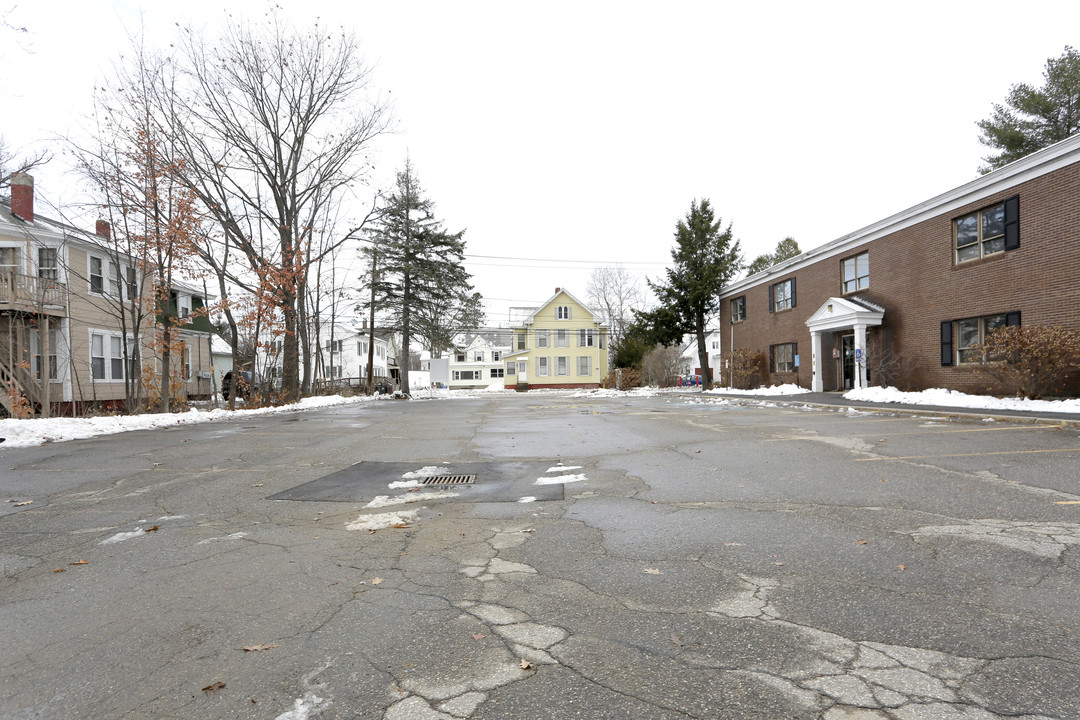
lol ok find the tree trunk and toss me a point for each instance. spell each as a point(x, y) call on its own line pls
point(703, 355)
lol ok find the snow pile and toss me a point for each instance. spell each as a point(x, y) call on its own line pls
point(381, 521)
point(386, 500)
point(952, 398)
point(424, 472)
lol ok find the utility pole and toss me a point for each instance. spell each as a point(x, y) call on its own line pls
point(371, 319)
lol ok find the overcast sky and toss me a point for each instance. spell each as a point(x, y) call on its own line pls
point(583, 130)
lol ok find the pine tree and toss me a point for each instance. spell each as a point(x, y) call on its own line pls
point(706, 258)
point(421, 288)
point(1033, 118)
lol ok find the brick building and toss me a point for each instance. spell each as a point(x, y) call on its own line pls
point(904, 299)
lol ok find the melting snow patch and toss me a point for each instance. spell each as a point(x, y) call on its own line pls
point(399, 484)
point(387, 501)
point(527, 499)
point(560, 479)
point(564, 468)
point(121, 537)
point(381, 521)
point(302, 707)
point(425, 472)
point(234, 536)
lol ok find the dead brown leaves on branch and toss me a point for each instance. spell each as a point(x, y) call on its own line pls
point(1031, 361)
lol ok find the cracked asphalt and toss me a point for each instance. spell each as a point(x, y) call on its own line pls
point(711, 559)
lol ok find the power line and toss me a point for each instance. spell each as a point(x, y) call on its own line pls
point(567, 260)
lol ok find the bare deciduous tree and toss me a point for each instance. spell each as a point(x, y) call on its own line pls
point(614, 294)
point(273, 125)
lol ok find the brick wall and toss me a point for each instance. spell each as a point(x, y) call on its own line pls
point(913, 276)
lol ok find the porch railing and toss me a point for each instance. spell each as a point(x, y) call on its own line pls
point(29, 292)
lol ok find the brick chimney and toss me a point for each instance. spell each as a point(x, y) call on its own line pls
point(557, 290)
point(22, 196)
point(103, 229)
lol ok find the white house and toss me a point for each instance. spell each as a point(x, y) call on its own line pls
point(479, 362)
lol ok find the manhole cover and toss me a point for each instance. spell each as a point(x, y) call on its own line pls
point(449, 480)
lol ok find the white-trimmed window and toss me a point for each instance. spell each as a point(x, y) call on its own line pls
point(459, 357)
point(36, 350)
point(97, 276)
point(562, 312)
point(584, 366)
point(183, 306)
point(511, 367)
point(187, 362)
point(47, 266)
point(562, 338)
point(856, 272)
point(9, 260)
point(543, 338)
point(107, 356)
point(988, 231)
point(586, 337)
point(520, 340)
point(496, 372)
point(562, 365)
point(478, 356)
point(496, 356)
point(467, 374)
point(543, 366)
point(380, 351)
point(132, 283)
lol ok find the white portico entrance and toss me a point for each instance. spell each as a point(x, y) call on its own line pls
point(837, 315)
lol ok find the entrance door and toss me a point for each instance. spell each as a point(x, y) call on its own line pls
point(847, 354)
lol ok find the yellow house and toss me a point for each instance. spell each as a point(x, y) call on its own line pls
point(560, 345)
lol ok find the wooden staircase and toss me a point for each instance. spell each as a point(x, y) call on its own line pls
point(13, 375)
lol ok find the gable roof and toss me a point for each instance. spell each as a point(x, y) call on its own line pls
point(561, 291)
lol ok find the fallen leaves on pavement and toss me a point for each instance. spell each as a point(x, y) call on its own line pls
point(652, 571)
point(525, 664)
point(214, 687)
point(257, 648)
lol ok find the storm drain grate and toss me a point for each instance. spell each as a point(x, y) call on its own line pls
point(448, 480)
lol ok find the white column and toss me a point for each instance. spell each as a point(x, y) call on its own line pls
point(860, 351)
point(816, 383)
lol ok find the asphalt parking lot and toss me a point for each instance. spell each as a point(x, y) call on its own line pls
point(612, 557)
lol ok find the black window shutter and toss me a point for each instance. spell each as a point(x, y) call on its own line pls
point(772, 299)
point(1012, 223)
point(1012, 318)
point(946, 343)
point(772, 358)
point(792, 292)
